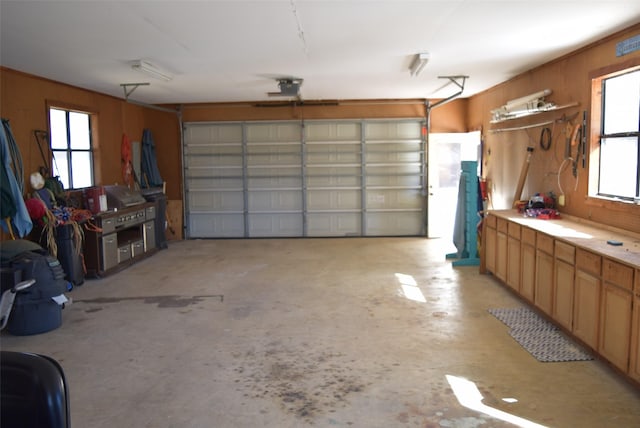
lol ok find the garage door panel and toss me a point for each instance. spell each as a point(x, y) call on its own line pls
point(394, 199)
point(382, 154)
point(405, 175)
point(273, 132)
point(216, 226)
point(214, 184)
point(283, 182)
point(275, 200)
point(273, 155)
point(334, 224)
point(333, 200)
point(394, 224)
point(204, 134)
point(391, 130)
point(329, 154)
point(270, 225)
point(278, 181)
point(331, 131)
point(210, 173)
point(216, 201)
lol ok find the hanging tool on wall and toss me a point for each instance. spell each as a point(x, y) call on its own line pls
point(576, 141)
point(523, 177)
point(579, 141)
point(584, 139)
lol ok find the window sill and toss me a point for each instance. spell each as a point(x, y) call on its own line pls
point(611, 203)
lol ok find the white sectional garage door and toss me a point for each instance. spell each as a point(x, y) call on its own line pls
point(297, 179)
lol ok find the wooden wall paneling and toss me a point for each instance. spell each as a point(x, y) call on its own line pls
point(24, 102)
point(569, 77)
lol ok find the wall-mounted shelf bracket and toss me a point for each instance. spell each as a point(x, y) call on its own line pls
point(130, 87)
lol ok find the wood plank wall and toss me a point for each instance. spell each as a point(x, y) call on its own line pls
point(569, 78)
point(25, 98)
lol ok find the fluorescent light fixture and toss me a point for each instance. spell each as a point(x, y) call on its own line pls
point(152, 70)
point(418, 63)
point(528, 100)
point(523, 106)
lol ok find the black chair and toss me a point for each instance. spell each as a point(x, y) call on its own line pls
point(33, 391)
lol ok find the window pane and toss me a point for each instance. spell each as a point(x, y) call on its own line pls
point(79, 127)
point(60, 167)
point(621, 103)
point(58, 125)
point(618, 166)
point(81, 167)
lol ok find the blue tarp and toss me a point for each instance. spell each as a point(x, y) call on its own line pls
point(150, 172)
point(11, 188)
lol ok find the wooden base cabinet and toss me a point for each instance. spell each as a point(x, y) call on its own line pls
point(544, 273)
point(634, 363)
point(489, 238)
point(586, 298)
point(586, 308)
point(528, 266)
point(594, 295)
point(634, 360)
point(563, 294)
point(615, 325)
point(563, 290)
point(513, 256)
point(501, 250)
point(615, 313)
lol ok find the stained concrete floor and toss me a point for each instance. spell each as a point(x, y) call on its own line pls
point(312, 332)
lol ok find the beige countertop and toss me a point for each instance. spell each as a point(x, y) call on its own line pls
point(582, 233)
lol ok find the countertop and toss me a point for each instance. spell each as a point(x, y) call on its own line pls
point(582, 233)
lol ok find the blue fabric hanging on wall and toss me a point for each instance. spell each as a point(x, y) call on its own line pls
point(150, 172)
point(12, 189)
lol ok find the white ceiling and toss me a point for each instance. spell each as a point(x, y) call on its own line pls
point(350, 49)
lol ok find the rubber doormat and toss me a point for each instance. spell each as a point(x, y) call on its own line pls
point(539, 337)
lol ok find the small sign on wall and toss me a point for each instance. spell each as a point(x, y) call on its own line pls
point(627, 46)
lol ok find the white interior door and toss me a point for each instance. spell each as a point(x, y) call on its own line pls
point(446, 151)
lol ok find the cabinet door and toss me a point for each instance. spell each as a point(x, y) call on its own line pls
point(514, 262)
point(109, 251)
point(528, 270)
point(544, 282)
point(634, 363)
point(501, 256)
point(563, 293)
point(490, 249)
point(615, 325)
point(586, 308)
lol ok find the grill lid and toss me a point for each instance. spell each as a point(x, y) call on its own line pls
point(122, 197)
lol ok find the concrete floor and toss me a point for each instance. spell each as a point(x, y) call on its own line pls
point(300, 332)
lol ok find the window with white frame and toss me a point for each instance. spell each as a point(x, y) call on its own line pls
point(70, 140)
point(619, 163)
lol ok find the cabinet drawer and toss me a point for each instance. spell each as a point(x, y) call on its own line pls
point(528, 236)
point(565, 252)
point(502, 225)
point(108, 225)
point(588, 261)
point(544, 243)
point(150, 213)
point(617, 274)
point(491, 221)
point(514, 230)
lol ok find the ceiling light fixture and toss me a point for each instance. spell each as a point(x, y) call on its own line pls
point(152, 70)
point(418, 63)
